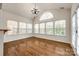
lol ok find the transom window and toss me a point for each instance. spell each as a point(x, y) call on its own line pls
point(46, 15)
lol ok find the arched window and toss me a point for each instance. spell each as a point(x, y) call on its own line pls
point(46, 15)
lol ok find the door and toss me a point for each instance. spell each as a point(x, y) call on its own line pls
point(74, 31)
point(78, 31)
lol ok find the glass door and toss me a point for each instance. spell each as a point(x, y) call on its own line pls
point(78, 31)
point(74, 31)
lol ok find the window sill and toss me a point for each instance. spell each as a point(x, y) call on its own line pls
point(50, 35)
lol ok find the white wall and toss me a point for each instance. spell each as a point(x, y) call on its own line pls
point(8, 38)
point(10, 16)
point(59, 15)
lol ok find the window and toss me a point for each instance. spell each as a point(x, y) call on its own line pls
point(12, 25)
point(49, 28)
point(36, 28)
point(60, 27)
point(46, 15)
point(18, 27)
point(42, 28)
point(52, 28)
point(22, 27)
point(29, 28)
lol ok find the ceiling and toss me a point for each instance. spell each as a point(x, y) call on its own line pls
point(24, 9)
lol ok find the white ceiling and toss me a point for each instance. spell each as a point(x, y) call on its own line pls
point(24, 9)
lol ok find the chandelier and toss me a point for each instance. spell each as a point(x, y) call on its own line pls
point(35, 11)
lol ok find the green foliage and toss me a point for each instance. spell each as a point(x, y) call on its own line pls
point(57, 31)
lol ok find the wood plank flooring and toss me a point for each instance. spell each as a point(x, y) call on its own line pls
point(37, 47)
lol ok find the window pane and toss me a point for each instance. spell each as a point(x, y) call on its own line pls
point(60, 27)
point(49, 28)
point(42, 28)
point(12, 25)
point(29, 28)
point(22, 27)
point(36, 28)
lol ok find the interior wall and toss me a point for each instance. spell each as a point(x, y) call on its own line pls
point(58, 15)
point(10, 16)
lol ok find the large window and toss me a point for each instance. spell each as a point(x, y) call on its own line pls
point(22, 27)
point(36, 28)
point(49, 28)
point(12, 25)
point(42, 28)
point(57, 27)
point(60, 27)
point(29, 28)
point(18, 27)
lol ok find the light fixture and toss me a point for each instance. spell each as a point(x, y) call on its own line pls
point(35, 11)
point(61, 7)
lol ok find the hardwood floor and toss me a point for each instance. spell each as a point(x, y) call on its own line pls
point(37, 47)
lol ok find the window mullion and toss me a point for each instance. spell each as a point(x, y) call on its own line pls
point(18, 27)
point(53, 27)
